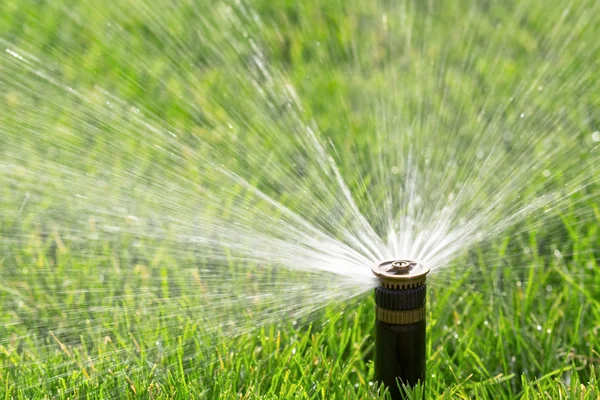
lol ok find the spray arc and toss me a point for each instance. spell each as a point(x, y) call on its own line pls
point(400, 330)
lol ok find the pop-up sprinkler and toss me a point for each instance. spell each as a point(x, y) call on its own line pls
point(400, 327)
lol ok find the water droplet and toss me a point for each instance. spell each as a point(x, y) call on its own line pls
point(519, 283)
point(522, 115)
point(546, 173)
point(549, 288)
point(548, 331)
point(596, 136)
point(557, 253)
point(395, 170)
point(539, 327)
point(486, 323)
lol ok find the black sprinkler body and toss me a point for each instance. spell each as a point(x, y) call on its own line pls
point(400, 327)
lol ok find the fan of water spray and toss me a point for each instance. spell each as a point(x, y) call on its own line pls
point(168, 159)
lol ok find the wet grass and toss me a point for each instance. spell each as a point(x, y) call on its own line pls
point(527, 329)
point(516, 317)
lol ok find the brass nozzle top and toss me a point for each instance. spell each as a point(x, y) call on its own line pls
point(400, 274)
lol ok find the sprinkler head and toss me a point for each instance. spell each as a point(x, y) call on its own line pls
point(400, 326)
point(400, 274)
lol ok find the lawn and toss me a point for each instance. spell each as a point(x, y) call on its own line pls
point(172, 223)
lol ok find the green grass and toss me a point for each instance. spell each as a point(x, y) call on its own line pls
point(122, 316)
point(485, 341)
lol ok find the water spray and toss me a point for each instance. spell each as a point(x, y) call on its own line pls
point(400, 327)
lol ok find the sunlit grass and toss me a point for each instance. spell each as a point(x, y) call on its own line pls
point(528, 330)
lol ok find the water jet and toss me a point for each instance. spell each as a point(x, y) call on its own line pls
point(400, 328)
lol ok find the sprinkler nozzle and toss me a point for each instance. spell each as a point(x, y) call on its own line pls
point(400, 274)
point(400, 326)
point(402, 267)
